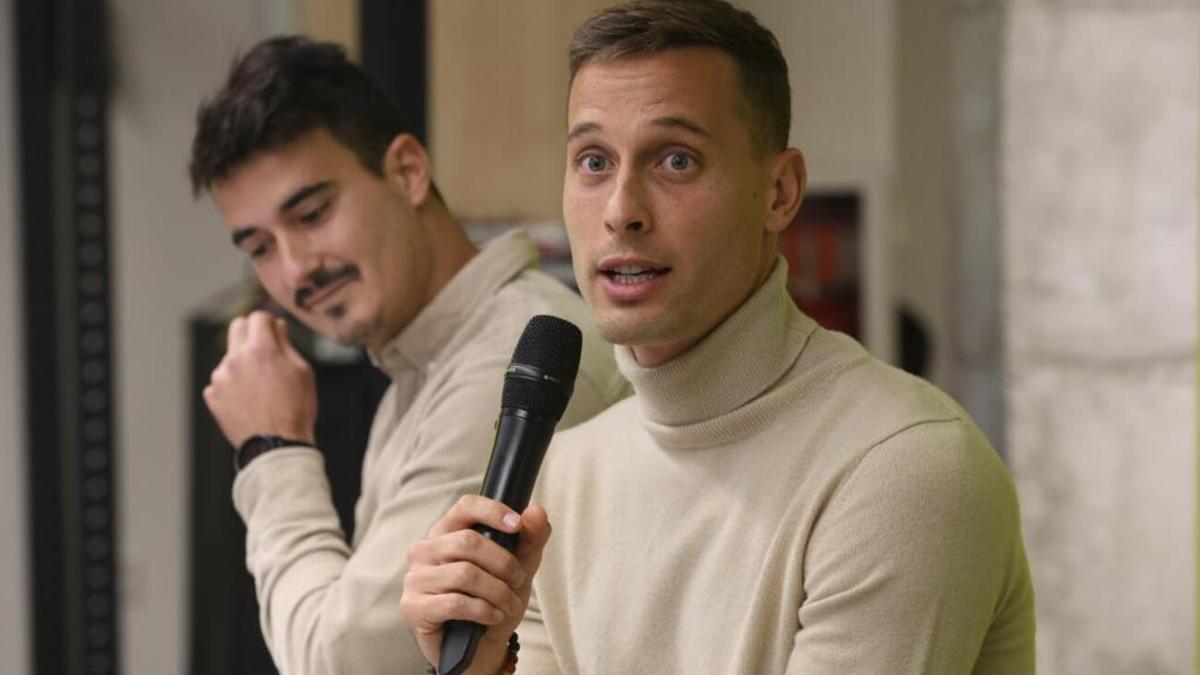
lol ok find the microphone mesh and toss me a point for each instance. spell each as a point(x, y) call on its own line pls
point(551, 345)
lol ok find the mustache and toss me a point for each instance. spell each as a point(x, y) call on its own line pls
point(322, 279)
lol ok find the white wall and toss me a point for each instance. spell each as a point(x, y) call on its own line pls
point(170, 254)
point(921, 266)
point(842, 62)
point(14, 579)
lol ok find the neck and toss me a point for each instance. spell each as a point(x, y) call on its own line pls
point(652, 356)
point(451, 247)
point(451, 250)
point(688, 401)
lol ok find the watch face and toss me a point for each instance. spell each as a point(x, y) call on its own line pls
point(251, 448)
point(256, 445)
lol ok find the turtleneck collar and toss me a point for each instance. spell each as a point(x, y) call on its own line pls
point(713, 393)
point(422, 340)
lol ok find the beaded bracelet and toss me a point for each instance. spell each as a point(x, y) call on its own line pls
point(509, 667)
point(510, 657)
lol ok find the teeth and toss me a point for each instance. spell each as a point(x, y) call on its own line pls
point(632, 278)
point(630, 269)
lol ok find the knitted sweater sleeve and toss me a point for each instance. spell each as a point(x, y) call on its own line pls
point(914, 556)
point(327, 609)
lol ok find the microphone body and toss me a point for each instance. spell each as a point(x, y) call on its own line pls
point(537, 387)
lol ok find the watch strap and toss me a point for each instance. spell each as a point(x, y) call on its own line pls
point(260, 444)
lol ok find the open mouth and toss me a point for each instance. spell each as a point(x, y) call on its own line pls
point(629, 275)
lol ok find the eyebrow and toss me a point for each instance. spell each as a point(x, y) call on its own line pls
point(581, 129)
point(241, 234)
point(670, 122)
point(682, 123)
point(304, 193)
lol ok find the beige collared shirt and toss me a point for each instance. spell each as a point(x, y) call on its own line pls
point(329, 606)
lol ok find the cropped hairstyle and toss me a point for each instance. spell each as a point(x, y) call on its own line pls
point(647, 27)
point(282, 89)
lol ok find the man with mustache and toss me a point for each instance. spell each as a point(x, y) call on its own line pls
point(772, 499)
point(333, 203)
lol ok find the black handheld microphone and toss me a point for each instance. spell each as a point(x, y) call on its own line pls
point(537, 387)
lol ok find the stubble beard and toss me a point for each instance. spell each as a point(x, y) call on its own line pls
point(350, 332)
point(621, 327)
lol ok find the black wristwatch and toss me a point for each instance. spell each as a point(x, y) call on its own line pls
point(258, 444)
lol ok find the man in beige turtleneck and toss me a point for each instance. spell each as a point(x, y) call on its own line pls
point(773, 499)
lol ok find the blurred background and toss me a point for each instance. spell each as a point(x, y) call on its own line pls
point(1003, 199)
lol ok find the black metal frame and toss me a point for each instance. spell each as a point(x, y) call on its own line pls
point(62, 64)
point(394, 53)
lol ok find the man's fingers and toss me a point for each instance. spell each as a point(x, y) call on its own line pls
point(535, 527)
point(457, 606)
point(472, 547)
point(476, 510)
point(237, 333)
point(535, 532)
point(285, 343)
point(260, 330)
point(467, 579)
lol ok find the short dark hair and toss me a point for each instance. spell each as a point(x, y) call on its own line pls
point(282, 89)
point(647, 27)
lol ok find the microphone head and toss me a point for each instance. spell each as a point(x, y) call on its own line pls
point(541, 377)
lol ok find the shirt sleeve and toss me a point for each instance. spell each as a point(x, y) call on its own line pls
point(324, 608)
point(915, 559)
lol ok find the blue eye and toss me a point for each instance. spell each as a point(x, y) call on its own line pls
point(593, 163)
point(678, 161)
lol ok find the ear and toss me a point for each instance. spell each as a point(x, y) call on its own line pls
point(789, 177)
point(406, 167)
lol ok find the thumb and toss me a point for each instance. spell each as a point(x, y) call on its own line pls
point(535, 532)
point(281, 337)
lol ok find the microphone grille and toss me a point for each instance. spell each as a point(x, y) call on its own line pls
point(550, 345)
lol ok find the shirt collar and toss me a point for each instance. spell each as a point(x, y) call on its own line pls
point(423, 339)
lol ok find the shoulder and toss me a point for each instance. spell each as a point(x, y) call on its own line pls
point(930, 489)
point(942, 462)
point(891, 437)
point(599, 383)
point(859, 401)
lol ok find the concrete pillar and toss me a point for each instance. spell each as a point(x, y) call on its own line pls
point(974, 189)
point(1099, 213)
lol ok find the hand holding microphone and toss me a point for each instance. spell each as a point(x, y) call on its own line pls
point(458, 575)
point(468, 583)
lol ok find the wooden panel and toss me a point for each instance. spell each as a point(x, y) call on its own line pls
point(497, 106)
point(331, 20)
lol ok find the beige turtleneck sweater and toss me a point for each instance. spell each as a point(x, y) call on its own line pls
point(332, 607)
point(773, 501)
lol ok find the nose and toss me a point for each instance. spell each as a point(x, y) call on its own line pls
point(299, 261)
point(627, 211)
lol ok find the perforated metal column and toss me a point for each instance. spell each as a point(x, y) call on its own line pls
point(63, 64)
point(93, 453)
